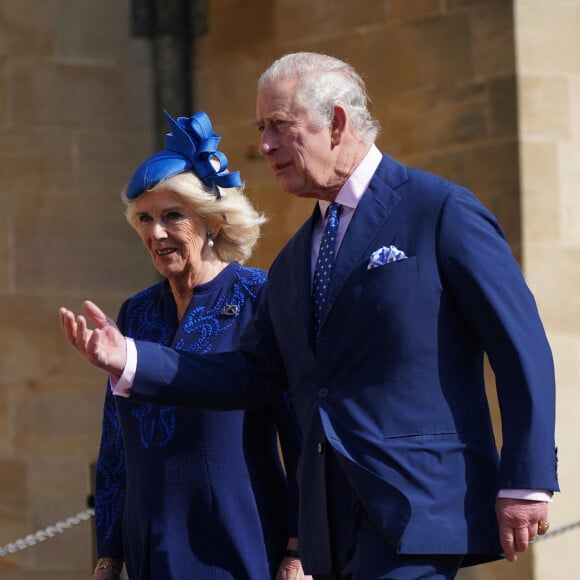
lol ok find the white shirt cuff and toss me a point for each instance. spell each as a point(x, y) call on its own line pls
point(529, 494)
point(121, 385)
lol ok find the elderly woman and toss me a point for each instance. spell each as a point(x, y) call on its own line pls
point(181, 492)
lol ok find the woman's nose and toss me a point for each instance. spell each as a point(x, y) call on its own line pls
point(158, 231)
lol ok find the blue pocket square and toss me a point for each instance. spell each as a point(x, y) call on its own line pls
point(385, 255)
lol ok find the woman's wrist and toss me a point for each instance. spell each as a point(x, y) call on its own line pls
point(113, 564)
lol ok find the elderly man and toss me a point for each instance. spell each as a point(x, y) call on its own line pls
point(376, 318)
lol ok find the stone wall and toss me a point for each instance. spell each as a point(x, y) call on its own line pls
point(441, 75)
point(471, 89)
point(75, 118)
point(548, 45)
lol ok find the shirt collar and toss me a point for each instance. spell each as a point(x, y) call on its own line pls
point(352, 191)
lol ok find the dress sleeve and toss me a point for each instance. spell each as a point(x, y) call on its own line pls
point(110, 478)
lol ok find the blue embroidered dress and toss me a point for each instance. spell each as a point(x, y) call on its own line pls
point(185, 493)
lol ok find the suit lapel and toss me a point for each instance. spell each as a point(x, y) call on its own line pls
point(372, 212)
point(300, 277)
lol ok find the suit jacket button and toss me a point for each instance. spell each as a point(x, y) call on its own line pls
point(322, 392)
point(320, 448)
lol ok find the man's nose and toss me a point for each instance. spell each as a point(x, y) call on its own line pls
point(268, 141)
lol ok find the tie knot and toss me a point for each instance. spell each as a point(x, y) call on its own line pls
point(333, 210)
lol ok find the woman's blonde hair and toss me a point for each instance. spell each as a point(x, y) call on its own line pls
point(239, 221)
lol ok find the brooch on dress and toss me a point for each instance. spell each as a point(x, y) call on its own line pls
point(230, 310)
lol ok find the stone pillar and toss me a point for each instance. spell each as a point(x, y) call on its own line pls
point(548, 49)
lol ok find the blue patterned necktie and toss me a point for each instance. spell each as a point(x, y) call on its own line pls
point(324, 262)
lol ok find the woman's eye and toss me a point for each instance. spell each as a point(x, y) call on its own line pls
point(143, 219)
point(173, 215)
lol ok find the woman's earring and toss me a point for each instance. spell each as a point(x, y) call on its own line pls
point(210, 236)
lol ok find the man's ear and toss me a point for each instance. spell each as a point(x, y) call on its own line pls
point(339, 122)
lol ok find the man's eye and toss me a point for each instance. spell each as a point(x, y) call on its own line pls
point(275, 124)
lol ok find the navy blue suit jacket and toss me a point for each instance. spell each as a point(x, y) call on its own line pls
point(394, 380)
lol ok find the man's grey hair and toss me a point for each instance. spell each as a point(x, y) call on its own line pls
point(325, 81)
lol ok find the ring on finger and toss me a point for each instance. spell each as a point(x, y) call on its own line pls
point(543, 527)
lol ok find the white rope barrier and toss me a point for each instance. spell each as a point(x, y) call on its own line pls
point(60, 527)
point(48, 532)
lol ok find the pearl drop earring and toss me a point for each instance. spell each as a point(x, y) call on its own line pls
point(210, 242)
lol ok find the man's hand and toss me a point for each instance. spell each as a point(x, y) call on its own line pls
point(291, 569)
point(518, 523)
point(105, 346)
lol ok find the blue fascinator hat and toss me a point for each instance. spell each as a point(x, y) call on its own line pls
point(191, 145)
